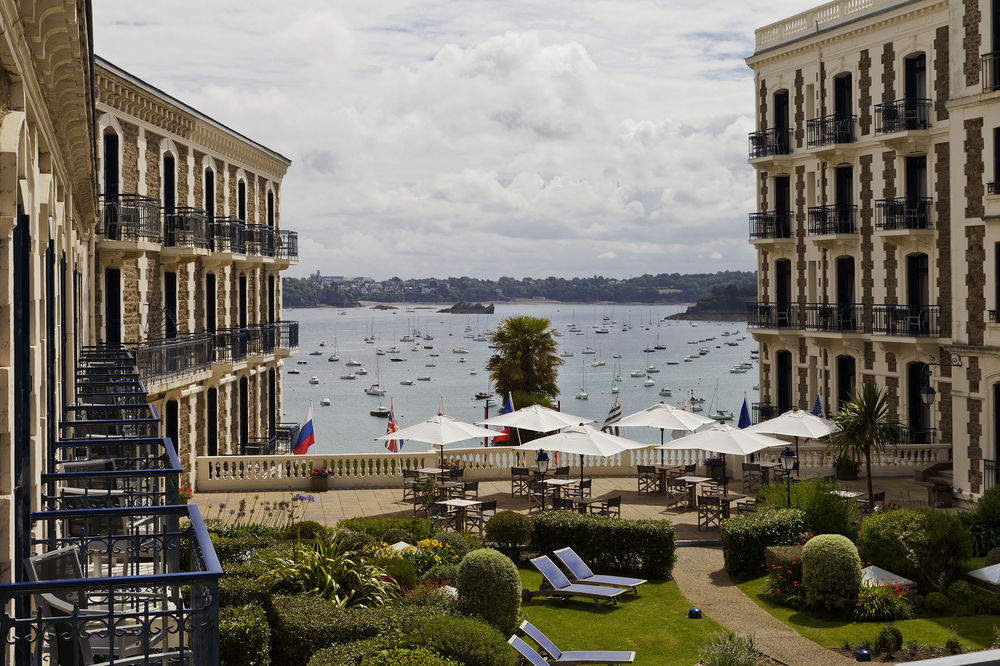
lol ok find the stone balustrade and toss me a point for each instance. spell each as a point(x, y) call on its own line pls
point(384, 469)
point(815, 20)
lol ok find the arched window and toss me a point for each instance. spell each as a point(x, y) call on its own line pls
point(210, 194)
point(270, 208)
point(169, 177)
point(241, 200)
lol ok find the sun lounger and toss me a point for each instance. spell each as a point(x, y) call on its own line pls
point(579, 572)
point(557, 656)
point(559, 585)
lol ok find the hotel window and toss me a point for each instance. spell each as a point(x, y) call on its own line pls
point(110, 166)
point(270, 209)
point(210, 194)
point(241, 200)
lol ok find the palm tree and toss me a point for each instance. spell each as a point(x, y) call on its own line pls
point(525, 363)
point(864, 425)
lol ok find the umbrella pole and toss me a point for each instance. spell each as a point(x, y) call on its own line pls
point(798, 472)
point(663, 453)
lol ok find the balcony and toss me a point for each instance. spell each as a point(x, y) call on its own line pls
point(994, 316)
point(829, 130)
point(260, 240)
point(288, 337)
point(771, 224)
point(993, 188)
point(832, 219)
point(990, 71)
point(907, 320)
point(228, 235)
point(912, 435)
point(772, 315)
point(110, 420)
point(129, 217)
point(186, 227)
point(763, 411)
point(263, 339)
point(162, 359)
point(774, 141)
point(902, 115)
point(834, 317)
point(230, 345)
point(288, 245)
point(902, 213)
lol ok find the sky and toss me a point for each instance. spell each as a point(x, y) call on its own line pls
point(438, 138)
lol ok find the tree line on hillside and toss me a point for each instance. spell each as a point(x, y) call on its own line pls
point(661, 288)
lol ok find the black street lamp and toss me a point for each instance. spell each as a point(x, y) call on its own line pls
point(787, 458)
point(542, 464)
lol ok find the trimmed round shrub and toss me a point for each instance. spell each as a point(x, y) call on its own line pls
point(993, 556)
point(938, 604)
point(490, 587)
point(831, 572)
point(306, 530)
point(396, 535)
point(348, 654)
point(509, 530)
point(444, 574)
point(244, 637)
point(405, 657)
point(938, 540)
point(401, 570)
point(888, 640)
point(745, 538)
point(456, 540)
point(960, 591)
point(467, 640)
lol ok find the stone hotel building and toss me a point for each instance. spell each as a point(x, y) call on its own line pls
point(877, 227)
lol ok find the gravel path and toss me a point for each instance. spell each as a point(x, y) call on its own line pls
point(703, 580)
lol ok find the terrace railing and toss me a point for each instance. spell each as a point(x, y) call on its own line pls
point(772, 315)
point(230, 345)
point(832, 219)
point(903, 213)
point(186, 227)
point(991, 474)
point(771, 224)
point(288, 334)
point(129, 217)
point(774, 141)
point(287, 245)
point(110, 420)
point(762, 411)
point(834, 317)
point(260, 240)
point(907, 320)
point(167, 357)
point(902, 115)
point(911, 435)
point(832, 129)
point(263, 339)
point(990, 71)
point(228, 235)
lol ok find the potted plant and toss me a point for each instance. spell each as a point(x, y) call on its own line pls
point(942, 494)
point(716, 467)
point(184, 494)
point(847, 468)
point(320, 478)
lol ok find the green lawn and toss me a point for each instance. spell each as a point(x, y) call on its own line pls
point(653, 624)
point(975, 630)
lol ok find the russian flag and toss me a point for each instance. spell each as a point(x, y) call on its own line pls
point(306, 436)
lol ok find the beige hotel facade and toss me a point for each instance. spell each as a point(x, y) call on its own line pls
point(877, 226)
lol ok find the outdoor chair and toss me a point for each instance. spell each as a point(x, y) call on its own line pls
point(687, 470)
point(563, 504)
point(477, 516)
point(537, 492)
point(519, 478)
point(649, 479)
point(747, 505)
point(579, 572)
point(713, 487)
point(709, 511)
point(555, 584)
point(582, 489)
point(411, 478)
point(677, 492)
point(561, 473)
point(469, 490)
point(752, 477)
point(441, 515)
point(609, 507)
point(874, 504)
point(557, 656)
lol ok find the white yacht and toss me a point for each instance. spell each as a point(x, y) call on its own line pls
point(314, 380)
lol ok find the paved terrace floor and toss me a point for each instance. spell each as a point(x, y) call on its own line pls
point(699, 572)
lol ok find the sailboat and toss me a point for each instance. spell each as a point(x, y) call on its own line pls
point(615, 388)
point(335, 356)
point(582, 393)
point(376, 388)
point(658, 346)
point(718, 414)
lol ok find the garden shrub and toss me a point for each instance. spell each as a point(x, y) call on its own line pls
point(960, 592)
point(509, 530)
point(252, 569)
point(401, 570)
point(445, 574)
point(887, 641)
point(431, 595)
point(938, 541)
point(467, 640)
point(822, 511)
point(882, 604)
point(302, 625)
point(831, 572)
point(727, 649)
point(993, 556)
point(457, 541)
point(784, 584)
point(417, 528)
point(237, 549)
point(244, 637)
point(243, 591)
point(355, 540)
point(745, 538)
point(395, 535)
point(490, 587)
point(643, 548)
point(404, 657)
point(306, 530)
point(349, 654)
point(939, 604)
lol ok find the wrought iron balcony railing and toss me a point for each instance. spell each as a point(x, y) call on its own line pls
point(834, 317)
point(913, 435)
point(994, 316)
point(772, 315)
point(260, 240)
point(763, 411)
point(990, 71)
point(167, 357)
point(903, 213)
point(993, 188)
point(774, 141)
point(228, 235)
point(285, 435)
point(289, 334)
point(827, 130)
point(771, 224)
point(288, 245)
point(130, 217)
point(110, 420)
point(230, 345)
point(263, 339)
point(907, 320)
point(832, 219)
point(186, 227)
point(902, 115)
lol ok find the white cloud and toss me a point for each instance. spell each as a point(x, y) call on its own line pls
point(480, 138)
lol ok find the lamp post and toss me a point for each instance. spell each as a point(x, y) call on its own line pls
point(787, 458)
point(542, 464)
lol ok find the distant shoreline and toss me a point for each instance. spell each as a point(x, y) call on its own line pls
point(429, 305)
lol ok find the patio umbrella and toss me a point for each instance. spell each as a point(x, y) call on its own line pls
point(583, 440)
point(795, 423)
point(726, 439)
point(440, 430)
point(664, 416)
point(536, 418)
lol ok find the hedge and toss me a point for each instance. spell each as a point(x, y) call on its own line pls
point(243, 591)
point(464, 639)
point(418, 528)
point(244, 637)
point(614, 545)
point(346, 654)
point(745, 538)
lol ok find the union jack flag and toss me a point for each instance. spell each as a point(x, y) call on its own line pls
point(394, 445)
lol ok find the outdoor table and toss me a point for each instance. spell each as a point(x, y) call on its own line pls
point(663, 470)
point(444, 488)
point(583, 503)
point(432, 471)
point(461, 508)
point(557, 485)
point(692, 482)
point(848, 494)
point(725, 501)
point(765, 471)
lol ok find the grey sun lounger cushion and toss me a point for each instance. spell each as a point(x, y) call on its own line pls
point(557, 656)
point(561, 587)
point(527, 652)
point(581, 573)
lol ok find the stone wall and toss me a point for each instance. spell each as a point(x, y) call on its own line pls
point(889, 174)
point(942, 203)
point(799, 117)
point(974, 167)
point(891, 267)
point(130, 305)
point(972, 41)
point(153, 163)
point(888, 73)
point(865, 92)
point(867, 247)
point(199, 182)
point(183, 186)
point(975, 280)
point(130, 158)
point(941, 90)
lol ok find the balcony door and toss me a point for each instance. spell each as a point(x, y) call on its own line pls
point(170, 304)
point(783, 290)
point(783, 372)
point(111, 188)
point(210, 303)
point(112, 306)
point(169, 184)
point(244, 414)
point(782, 207)
point(781, 122)
point(270, 299)
point(915, 77)
point(272, 401)
point(918, 415)
point(844, 198)
point(917, 293)
point(212, 422)
point(846, 378)
point(916, 177)
point(172, 423)
point(842, 102)
point(210, 194)
point(845, 294)
point(994, 470)
point(243, 301)
point(270, 209)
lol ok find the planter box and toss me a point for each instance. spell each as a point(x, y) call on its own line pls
point(319, 483)
point(942, 498)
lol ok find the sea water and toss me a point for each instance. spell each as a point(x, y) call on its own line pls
point(346, 426)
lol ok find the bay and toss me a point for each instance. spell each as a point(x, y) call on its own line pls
point(346, 426)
